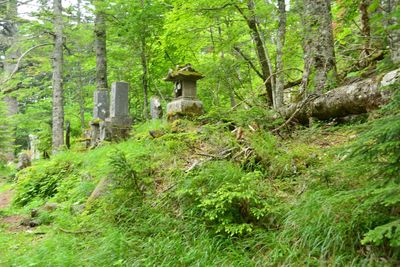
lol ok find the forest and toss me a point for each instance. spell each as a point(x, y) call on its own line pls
point(199, 133)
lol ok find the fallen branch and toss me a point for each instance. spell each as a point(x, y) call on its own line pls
point(75, 232)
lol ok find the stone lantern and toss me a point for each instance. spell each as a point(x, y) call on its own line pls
point(185, 101)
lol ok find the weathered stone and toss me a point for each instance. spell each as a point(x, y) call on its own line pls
point(24, 161)
point(113, 129)
point(118, 125)
point(101, 189)
point(94, 133)
point(119, 100)
point(101, 108)
point(34, 147)
point(184, 107)
point(155, 108)
point(185, 102)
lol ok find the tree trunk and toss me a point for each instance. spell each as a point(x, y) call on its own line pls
point(58, 101)
point(280, 80)
point(79, 83)
point(260, 49)
point(12, 110)
point(145, 82)
point(11, 103)
point(319, 53)
point(391, 7)
point(366, 31)
point(356, 98)
point(100, 45)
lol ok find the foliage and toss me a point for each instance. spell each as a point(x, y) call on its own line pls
point(42, 181)
point(237, 208)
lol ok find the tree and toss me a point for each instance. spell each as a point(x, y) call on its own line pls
point(392, 9)
point(7, 45)
point(280, 81)
point(58, 60)
point(261, 49)
point(100, 46)
point(318, 45)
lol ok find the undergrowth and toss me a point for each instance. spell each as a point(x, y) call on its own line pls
point(198, 193)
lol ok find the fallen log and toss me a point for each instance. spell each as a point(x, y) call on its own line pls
point(356, 98)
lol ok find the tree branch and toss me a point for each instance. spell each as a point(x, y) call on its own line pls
point(247, 59)
point(20, 59)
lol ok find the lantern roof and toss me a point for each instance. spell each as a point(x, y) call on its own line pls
point(183, 73)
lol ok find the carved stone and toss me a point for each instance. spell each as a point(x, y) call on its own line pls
point(185, 87)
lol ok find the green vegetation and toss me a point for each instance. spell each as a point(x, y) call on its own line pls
point(244, 184)
point(198, 195)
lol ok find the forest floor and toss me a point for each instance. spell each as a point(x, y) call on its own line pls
point(191, 174)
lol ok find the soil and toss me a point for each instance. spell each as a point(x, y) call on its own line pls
point(11, 222)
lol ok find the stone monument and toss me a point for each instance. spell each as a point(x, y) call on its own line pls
point(34, 147)
point(185, 102)
point(118, 124)
point(101, 111)
point(155, 108)
point(101, 108)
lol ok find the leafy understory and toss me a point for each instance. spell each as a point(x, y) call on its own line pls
point(201, 194)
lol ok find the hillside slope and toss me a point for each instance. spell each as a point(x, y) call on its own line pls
point(220, 191)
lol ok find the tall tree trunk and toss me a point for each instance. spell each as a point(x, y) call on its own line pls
point(391, 7)
point(58, 60)
point(280, 80)
point(12, 110)
point(319, 52)
point(79, 83)
point(101, 47)
point(260, 48)
point(366, 31)
point(11, 102)
point(145, 82)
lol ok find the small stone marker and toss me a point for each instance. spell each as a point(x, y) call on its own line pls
point(101, 108)
point(155, 108)
point(34, 147)
point(185, 87)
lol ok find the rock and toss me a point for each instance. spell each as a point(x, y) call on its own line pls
point(156, 133)
point(77, 208)
point(156, 108)
point(100, 190)
point(24, 161)
point(50, 206)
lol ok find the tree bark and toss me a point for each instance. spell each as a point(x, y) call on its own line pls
point(391, 7)
point(356, 98)
point(145, 82)
point(101, 47)
point(79, 83)
point(365, 30)
point(7, 40)
point(319, 53)
point(58, 60)
point(280, 80)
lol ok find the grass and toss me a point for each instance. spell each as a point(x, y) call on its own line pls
point(307, 197)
